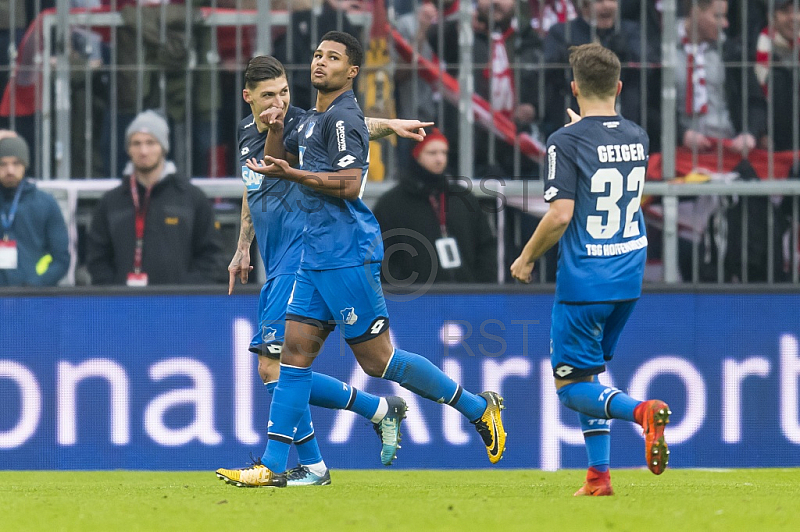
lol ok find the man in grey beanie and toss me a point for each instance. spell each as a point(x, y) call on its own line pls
point(34, 244)
point(156, 227)
point(153, 124)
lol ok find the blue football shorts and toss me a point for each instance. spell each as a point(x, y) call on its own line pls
point(350, 297)
point(583, 337)
point(272, 316)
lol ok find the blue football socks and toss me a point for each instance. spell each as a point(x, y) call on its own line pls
point(304, 439)
point(621, 406)
point(328, 392)
point(595, 399)
point(597, 436)
point(305, 442)
point(418, 374)
point(289, 403)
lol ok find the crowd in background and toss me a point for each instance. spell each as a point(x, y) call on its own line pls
point(736, 81)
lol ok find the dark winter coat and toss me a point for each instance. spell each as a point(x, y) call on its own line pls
point(406, 210)
point(39, 230)
point(181, 239)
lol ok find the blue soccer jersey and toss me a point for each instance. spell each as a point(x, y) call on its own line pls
point(338, 233)
point(600, 163)
point(275, 204)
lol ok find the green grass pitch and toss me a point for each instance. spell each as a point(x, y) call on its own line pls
point(416, 501)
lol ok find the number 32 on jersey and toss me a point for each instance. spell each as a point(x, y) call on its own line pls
point(612, 179)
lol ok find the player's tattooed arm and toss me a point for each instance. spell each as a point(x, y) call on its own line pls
point(247, 232)
point(382, 127)
point(240, 263)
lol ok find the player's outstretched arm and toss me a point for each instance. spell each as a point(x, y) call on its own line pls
point(553, 224)
point(409, 129)
point(240, 263)
point(344, 184)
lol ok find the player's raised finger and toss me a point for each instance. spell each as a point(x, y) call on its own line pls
point(231, 280)
point(573, 116)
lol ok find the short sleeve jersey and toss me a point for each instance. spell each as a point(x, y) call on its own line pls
point(275, 204)
point(600, 163)
point(338, 232)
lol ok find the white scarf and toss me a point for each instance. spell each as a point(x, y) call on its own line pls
point(696, 91)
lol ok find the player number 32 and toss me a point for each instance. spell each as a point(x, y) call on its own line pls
point(608, 202)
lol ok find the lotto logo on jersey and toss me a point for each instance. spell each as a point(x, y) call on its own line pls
point(252, 180)
point(550, 193)
point(341, 143)
point(346, 161)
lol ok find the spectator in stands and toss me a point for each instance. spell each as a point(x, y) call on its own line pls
point(433, 227)
point(632, 10)
point(414, 97)
point(595, 22)
point(12, 28)
point(501, 45)
point(781, 48)
point(171, 56)
point(86, 58)
point(710, 104)
point(156, 227)
point(414, 29)
point(297, 57)
point(34, 250)
point(547, 13)
point(757, 17)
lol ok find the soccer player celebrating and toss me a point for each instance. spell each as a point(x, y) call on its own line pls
point(338, 282)
point(596, 170)
point(269, 210)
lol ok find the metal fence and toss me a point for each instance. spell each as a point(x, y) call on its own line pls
point(691, 225)
point(79, 75)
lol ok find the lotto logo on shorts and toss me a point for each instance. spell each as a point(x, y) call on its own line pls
point(377, 326)
point(563, 370)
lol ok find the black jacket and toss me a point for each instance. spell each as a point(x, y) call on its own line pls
point(783, 118)
point(407, 207)
point(182, 244)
